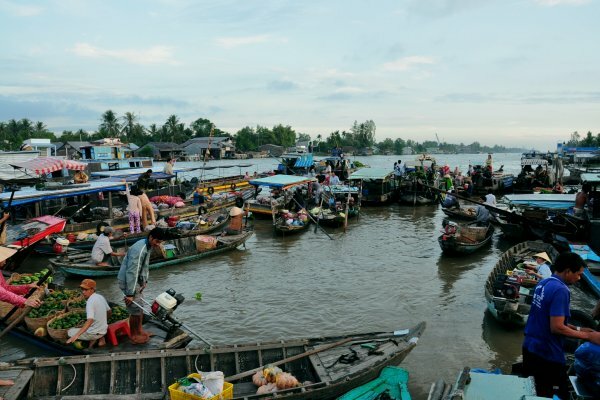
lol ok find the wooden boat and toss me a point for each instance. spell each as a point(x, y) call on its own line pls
point(480, 385)
point(590, 274)
point(280, 226)
point(173, 252)
point(508, 300)
point(460, 214)
point(392, 381)
point(212, 222)
point(344, 199)
point(284, 185)
point(465, 239)
point(378, 185)
point(318, 362)
point(164, 337)
point(537, 223)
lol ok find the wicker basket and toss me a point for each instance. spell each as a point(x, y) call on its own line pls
point(60, 335)
point(205, 242)
point(34, 323)
point(475, 233)
point(6, 307)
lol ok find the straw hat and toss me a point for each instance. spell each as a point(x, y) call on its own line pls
point(6, 253)
point(543, 255)
point(235, 211)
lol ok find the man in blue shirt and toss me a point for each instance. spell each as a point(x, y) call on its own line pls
point(548, 324)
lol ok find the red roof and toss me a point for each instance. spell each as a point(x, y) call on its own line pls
point(46, 165)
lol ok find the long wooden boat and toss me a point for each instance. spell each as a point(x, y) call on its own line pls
point(281, 227)
point(461, 243)
point(461, 214)
point(335, 216)
point(184, 250)
point(327, 367)
point(591, 272)
point(164, 337)
point(212, 222)
point(284, 184)
point(537, 223)
point(508, 301)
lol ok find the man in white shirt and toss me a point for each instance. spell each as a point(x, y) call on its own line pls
point(334, 180)
point(490, 198)
point(97, 313)
point(102, 249)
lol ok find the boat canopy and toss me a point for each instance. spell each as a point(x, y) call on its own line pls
point(32, 195)
point(341, 189)
point(590, 178)
point(304, 161)
point(371, 173)
point(134, 177)
point(541, 200)
point(281, 181)
point(46, 165)
point(533, 161)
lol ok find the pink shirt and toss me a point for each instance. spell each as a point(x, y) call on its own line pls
point(135, 204)
point(10, 293)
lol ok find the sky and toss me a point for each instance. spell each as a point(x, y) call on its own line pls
point(518, 73)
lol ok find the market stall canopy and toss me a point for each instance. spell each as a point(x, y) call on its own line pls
point(46, 165)
point(281, 181)
point(541, 200)
point(32, 195)
point(371, 173)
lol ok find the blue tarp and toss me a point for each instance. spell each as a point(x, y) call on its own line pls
point(31, 195)
point(548, 201)
point(304, 161)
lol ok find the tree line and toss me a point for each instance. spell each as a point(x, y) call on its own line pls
point(589, 140)
point(130, 130)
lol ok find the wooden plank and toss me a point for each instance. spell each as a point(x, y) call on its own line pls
point(113, 364)
point(59, 379)
point(21, 381)
point(237, 361)
point(138, 375)
point(86, 377)
point(163, 373)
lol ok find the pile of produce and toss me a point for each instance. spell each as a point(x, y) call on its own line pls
point(119, 313)
point(26, 279)
point(63, 295)
point(45, 309)
point(170, 201)
point(77, 304)
point(67, 321)
point(272, 379)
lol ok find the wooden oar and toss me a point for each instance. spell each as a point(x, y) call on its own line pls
point(26, 310)
point(290, 359)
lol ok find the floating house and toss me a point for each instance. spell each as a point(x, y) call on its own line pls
point(218, 147)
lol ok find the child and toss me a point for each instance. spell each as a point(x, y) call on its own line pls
point(135, 209)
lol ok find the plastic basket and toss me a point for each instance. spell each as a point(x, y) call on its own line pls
point(205, 242)
point(473, 232)
point(176, 394)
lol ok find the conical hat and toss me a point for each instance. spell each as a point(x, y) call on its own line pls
point(6, 253)
point(543, 255)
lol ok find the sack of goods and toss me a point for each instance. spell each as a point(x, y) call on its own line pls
point(205, 242)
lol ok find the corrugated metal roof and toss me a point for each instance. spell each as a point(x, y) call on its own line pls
point(304, 161)
point(371, 173)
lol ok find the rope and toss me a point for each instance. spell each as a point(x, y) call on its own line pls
point(73, 380)
point(347, 358)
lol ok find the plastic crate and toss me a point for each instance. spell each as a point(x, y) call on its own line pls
point(176, 394)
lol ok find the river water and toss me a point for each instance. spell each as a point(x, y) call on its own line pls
point(385, 273)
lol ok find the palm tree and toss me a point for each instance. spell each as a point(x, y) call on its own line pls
point(110, 124)
point(130, 120)
point(172, 126)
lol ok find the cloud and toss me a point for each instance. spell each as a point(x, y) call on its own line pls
point(283, 85)
point(152, 55)
point(531, 98)
point(552, 3)
point(406, 63)
point(229, 42)
point(20, 10)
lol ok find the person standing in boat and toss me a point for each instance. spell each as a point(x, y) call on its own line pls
point(334, 179)
point(102, 249)
point(97, 314)
point(168, 168)
point(133, 278)
point(135, 208)
point(581, 199)
point(143, 184)
point(548, 325)
point(488, 163)
point(235, 223)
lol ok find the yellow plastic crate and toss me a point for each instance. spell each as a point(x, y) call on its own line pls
point(176, 394)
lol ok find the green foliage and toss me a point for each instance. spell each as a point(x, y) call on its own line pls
point(145, 152)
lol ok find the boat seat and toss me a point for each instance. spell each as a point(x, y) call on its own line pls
point(117, 327)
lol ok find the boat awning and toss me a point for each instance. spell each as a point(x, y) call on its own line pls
point(46, 165)
point(304, 161)
point(341, 189)
point(541, 200)
point(281, 181)
point(533, 161)
point(371, 173)
point(134, 177)
point(590, 178)
point(32, 195)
